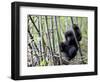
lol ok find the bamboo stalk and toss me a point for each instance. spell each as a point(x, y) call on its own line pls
point(77, 20)
point(66, 23)
point(60, 32)
point(58, 40)
point(48, 33)
point(51, 23)
point(34, 25)
point(32, 37)
point(53, 35)
point(48, 36)
point(42, 35)
point(29, 44)
point(78, 44)
point(40, 42)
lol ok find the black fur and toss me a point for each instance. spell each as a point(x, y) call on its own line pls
point(69, 47)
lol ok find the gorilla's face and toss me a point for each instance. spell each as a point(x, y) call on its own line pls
point(70, 38)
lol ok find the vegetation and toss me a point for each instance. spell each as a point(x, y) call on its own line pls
point(44, 34)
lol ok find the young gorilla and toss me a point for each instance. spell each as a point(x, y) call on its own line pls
point(69, 47)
